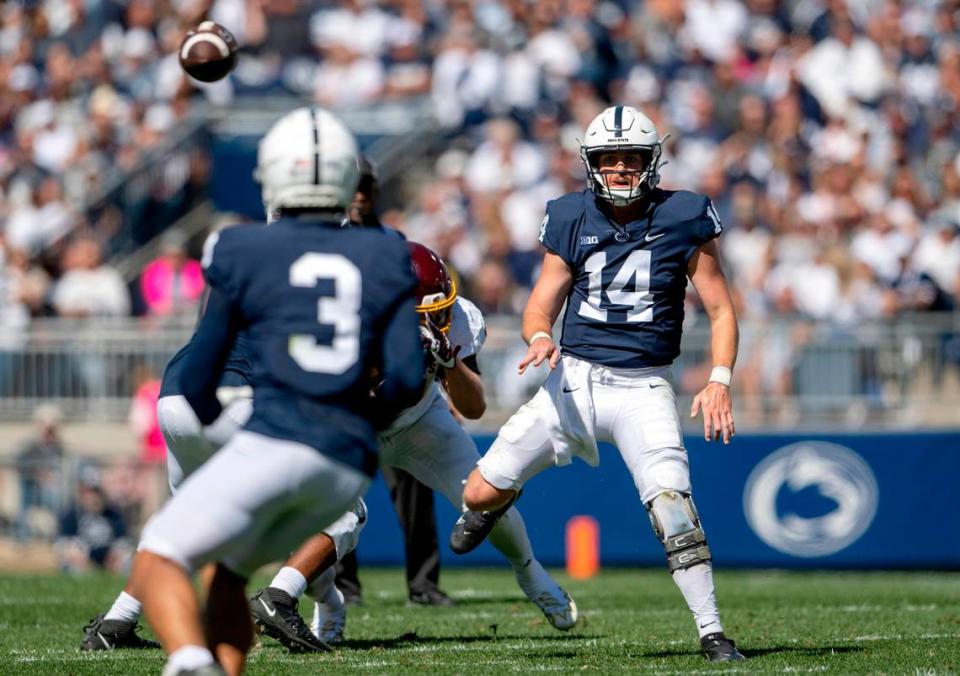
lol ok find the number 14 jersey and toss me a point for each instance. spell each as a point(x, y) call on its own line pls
point(625, 308)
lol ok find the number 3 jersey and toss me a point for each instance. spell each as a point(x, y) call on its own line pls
point(625, 309)
point(321, 307)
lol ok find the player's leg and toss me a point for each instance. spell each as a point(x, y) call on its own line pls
point(521, 450)
point(413, 503)
point(187, 449)
point(438, 451)
point(275, 609)
point(642, 421)
point(247, 505)
point(347, 579)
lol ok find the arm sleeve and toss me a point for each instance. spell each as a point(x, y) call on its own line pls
point(204, 362)
point(403, 361)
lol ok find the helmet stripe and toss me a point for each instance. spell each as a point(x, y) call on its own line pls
point(618, 122)
point(316, 146)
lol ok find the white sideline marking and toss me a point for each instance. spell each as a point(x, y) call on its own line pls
point(896, 637)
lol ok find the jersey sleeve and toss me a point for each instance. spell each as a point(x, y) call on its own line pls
point(468, 331)
point(221, 261)
point(556, 233)
point(708, 223)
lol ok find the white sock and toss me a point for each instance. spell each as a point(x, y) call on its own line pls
point(510, 537)
point(291, 581)
point(125, 608)
point(696, 585)
point(187, 657)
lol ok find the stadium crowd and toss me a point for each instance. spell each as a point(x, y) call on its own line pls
point(826, 131)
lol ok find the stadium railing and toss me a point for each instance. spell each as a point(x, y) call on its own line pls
point(790, 373)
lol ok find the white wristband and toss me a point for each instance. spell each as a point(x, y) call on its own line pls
point(538, 335)
point(722, 375)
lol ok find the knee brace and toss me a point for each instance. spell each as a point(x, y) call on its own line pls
point(674, 519)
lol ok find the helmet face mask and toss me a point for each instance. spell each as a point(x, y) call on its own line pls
point(625, 131)
point(307, 160)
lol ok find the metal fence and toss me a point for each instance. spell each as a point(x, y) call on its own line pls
point(790, 373)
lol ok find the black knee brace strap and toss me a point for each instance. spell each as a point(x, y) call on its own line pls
point(686, 550)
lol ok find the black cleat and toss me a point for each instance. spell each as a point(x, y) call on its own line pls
point(430, 597)
point(719, 648)
point(276, 615)
point(472, 528)
point(101, 634)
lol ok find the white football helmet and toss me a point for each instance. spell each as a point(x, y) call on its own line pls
point(622, 128)
point(308, 160)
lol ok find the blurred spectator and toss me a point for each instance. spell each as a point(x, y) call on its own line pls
point(92, 532)
point(171, 283)
point(89, 288)
point(143, 417)
point(938, 256)
point(151, 463)
point(40, 466)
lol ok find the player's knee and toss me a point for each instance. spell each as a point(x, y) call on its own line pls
point(479, 495)
point(676, 524)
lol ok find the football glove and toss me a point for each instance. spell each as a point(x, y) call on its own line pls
point(438, 347)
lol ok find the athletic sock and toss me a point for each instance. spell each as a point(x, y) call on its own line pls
point(291, 581)
point(510, 537)
point(696, 585)
point(187, 657)
point(125, 608)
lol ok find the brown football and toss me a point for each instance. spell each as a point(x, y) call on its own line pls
point(208, 52)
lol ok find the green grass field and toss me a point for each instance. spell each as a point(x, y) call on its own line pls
point(631, 620)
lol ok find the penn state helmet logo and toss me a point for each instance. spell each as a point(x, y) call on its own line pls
point(811, 498)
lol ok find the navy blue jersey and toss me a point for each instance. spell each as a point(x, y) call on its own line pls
point(625, 308)
point(236, 371)
point(322, 307)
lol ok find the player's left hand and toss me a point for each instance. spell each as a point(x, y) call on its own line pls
point(717, 407)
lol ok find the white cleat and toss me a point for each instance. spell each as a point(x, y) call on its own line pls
point(330, 618)
point(556, 604)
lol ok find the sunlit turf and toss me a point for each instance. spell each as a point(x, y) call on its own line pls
point(631, 620)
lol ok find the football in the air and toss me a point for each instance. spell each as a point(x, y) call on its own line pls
point(208, 52)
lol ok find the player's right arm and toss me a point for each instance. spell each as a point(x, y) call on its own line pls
point(403, 361)
point(203, 365)
point(543, 307)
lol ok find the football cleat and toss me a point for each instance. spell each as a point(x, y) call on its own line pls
point(719, 648)
point(472, 527)
point(103, 634)
point(430, 597)
point(330, 619)
point(555, 603)
point(276, 614)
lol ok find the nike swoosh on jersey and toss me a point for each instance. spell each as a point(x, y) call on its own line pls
point(572, 390)
point(270, 611)
point(648, 238)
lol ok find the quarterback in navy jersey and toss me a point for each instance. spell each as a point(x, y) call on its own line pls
point(323, 308)
point(619, 254)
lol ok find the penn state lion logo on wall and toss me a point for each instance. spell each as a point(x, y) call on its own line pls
point(811, 498)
